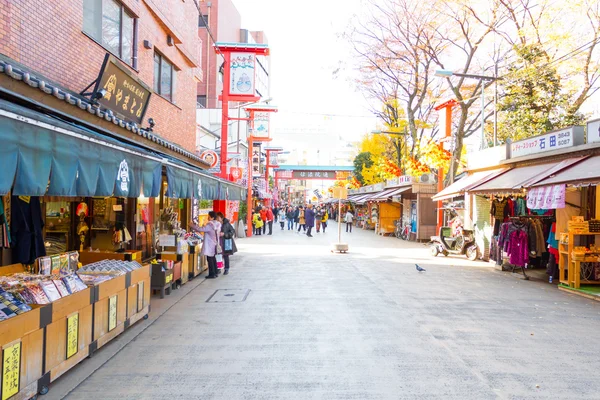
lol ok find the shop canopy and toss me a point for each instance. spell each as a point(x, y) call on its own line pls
point(586, 171)
point(361, 199)
point(386, 194)
point(516, 179)
point(459, 187)
point(42, 155)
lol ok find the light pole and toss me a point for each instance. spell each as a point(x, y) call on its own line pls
point(483, 78)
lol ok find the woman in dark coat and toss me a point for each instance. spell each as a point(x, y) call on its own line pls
point(227, 233)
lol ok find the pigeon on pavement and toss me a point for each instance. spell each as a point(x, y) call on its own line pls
point(419, 268)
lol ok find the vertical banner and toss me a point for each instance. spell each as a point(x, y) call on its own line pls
point(256, 150)
point(242, 74)
point(11, 370)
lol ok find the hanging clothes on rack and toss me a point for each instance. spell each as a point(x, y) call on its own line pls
point(499, 211)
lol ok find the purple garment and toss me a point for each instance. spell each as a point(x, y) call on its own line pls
point(209, 246)
point(518, 248)
point(309, 216)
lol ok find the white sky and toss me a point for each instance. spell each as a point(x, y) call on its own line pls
point(305, 51)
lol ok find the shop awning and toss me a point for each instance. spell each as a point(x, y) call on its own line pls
point(361, 199)
point(459, 187)
point(41, 155)
point(386, 194)
point(586, 171)
point(515, 179)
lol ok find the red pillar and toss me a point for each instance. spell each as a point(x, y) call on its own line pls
point(225, 111)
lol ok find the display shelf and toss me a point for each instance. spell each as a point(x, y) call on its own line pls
point(110, 310)
point(161, 280)
point(569, 269)
point(88, 257)
point(138, 295)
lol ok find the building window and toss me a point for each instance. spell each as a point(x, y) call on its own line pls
point(202, 21)
point(108, 23)
point(164, 77)
point(201, 101)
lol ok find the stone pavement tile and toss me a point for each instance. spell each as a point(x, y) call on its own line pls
point(363, 325)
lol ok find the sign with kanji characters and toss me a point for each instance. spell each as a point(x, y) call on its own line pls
point(560, 139)
point(242, 74)
point(112, 313)
point(124, 93)
point(260, 126)
point(314, 175)
point(72, 335)
point(11, 370)
point(256, 156)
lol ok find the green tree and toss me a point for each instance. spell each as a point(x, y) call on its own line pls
point(534, 100)
point(361, 161)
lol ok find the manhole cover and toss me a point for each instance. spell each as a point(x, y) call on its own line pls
point(229, 296)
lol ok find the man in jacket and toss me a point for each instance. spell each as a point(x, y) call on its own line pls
point(290, 218)
point(319, 214)
point(309, 216)
point(270, 218)
point(263, 217)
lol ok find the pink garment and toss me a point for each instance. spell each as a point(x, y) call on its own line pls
point(209, 246)
point(518, 248)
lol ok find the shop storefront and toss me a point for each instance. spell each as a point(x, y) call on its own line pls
point(539, 194)
point(91, 223)
point(405, 198)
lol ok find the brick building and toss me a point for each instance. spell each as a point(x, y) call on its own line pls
point(65, 41)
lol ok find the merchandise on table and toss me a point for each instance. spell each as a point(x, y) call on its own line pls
point(101, 271)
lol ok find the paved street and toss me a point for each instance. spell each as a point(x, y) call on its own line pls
point(362, 325)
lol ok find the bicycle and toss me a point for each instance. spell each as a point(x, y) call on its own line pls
point(402, 230)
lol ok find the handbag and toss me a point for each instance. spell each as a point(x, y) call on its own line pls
point(228, 244)
point(219, 249)
point(219, 258)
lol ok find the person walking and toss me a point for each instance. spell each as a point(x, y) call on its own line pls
point(348, 218)
point(227, 242)
point(290, 218)
point(324, 220)
point(301, 219)
point(258, 223)
point(211, 232)
point(309, 216)
point(281, 218)
point(319, 213)
point(270, 218)
point(297, 217)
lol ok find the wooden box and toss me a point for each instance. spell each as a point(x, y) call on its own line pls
point(25, 333)
point(110, 310)
point(138, 295)
point(89, 257)
point(181, 271)
point(194, 262)
point(69, 334)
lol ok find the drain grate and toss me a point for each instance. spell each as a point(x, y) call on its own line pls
point(229, 296)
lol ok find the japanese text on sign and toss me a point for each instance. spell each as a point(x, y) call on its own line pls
point(125, 94)
point(140, 296)
point(112, 313)
point(314, 175)
point(72, 335)
point(550, 141)
point(11, 370)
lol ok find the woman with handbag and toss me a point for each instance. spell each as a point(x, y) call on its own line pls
point(210, 245)
point(227, 242)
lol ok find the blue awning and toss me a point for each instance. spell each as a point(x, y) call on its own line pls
point(40, 155)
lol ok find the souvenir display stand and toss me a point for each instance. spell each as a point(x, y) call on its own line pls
point(22, 345)
point(572, 257)
point(388, 213)
point(162, 279)
point(88, 257)
point(181, 268)
point(195, 262)
point(138, 294)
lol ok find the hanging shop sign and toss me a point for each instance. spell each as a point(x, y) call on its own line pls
point(256, 159)
point(284, 174)
point(560, 139)
point(593, 131)
point(314, 174)
point(261, 124)
point(546, 197)
point(123, 93)
point(242, 74)
point(211, 157)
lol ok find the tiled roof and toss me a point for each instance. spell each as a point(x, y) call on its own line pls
point(20, 74)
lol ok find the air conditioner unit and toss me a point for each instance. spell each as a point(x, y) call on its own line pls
point(427, 178)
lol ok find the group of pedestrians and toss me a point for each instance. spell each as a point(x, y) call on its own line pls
point(263, 217)
point(218, 243)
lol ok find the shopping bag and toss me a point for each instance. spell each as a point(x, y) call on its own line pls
point(220, 264)
point(228, 244)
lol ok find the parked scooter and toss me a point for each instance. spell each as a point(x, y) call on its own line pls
point(463, 243)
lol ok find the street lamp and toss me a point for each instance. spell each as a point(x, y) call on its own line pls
point(444, 73)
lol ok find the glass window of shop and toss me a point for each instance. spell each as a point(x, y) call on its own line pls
point(147, 225)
